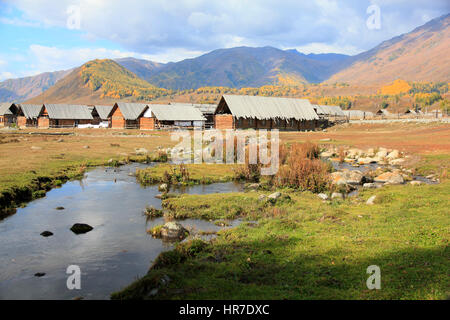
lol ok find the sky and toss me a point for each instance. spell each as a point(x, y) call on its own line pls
point(48, 35)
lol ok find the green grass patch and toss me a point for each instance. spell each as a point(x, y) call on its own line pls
point(438, 164)
point(197, 174)
point(310, 249)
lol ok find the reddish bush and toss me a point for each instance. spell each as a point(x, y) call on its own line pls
point(303, 170)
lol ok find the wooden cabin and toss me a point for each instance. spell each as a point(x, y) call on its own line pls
point(64, 116)
point(255, 112)
point(170, 116)
point(102, 115)
point(8, 114)
point(28, 115)
point(127, 115)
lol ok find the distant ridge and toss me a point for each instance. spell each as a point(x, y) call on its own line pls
point(420, 55)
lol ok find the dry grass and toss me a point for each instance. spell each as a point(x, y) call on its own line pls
point(303, 170)
point(19, 163)
point(415, 138)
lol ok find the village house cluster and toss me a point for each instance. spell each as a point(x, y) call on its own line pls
point(232, 112)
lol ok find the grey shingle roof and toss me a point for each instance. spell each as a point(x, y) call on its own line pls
point(103, 111)
point(176, 112)
point(131, 111)
point(357, 113)
point(68, 111)
point(203, 107)
point(31, 111)
point(329, 110)
point(4, 108)
point(270, 107)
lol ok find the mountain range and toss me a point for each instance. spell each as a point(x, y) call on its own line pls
point(420, 55)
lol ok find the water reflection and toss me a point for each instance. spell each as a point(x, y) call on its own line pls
point(111, 256)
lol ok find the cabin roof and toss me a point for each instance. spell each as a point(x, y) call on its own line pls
point(68, 111)
point(174, 112)
point(103, 111)
point(131, 111)
point(263, 108)
point(31, 111)
point(329, 110)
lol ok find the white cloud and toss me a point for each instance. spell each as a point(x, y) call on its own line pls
point(44, 58)
point(317, 47)
point(6, 75)
point(159, 26)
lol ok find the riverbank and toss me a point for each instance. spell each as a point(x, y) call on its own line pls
point(311, 249)
point(30, 165)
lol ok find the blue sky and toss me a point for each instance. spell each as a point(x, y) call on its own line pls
point(45, 35)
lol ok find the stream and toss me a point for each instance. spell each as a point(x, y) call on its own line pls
point(111, 256)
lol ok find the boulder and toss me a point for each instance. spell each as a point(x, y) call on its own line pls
point(173, 231)
point(141, 151)
point(46, 234)
point(327, 154)
point(354, 177)
point(396, 162)
point(323, 196)
point(370, 152)
point(253, 186)
point(337, 178)
point(80, 228)
point(382, 153)
point(262, 197)
point(371, 200)
point(274, 196)
point(163, 187)
point(353, 153)
point(367, 160)
point(36, 148)
point(390, 178)
point(371, 185)
point(393, 155)
point(337, 195)
point(416, 183)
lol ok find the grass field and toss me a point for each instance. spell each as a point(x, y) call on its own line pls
point(309, 249)
point(30, 164)
point(299, 249)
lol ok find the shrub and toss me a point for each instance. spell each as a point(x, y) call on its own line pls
point(341, 155)
point(303, 169)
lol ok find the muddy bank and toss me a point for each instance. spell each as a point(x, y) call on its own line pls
point(17, 196)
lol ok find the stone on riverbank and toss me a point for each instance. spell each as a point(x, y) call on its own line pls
point(390, 178)
point(371, 200)
point(337, 195)
point(323, 196)
point(173, 231)
point(163, 187)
